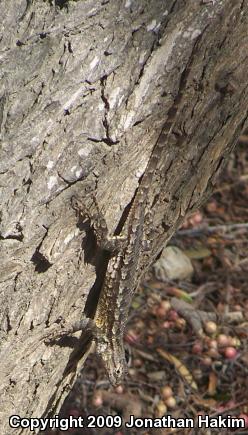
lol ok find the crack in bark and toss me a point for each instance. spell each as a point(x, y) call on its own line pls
point(108, 140)
point(41, 262)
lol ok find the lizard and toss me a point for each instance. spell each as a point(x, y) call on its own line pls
point(120, 282)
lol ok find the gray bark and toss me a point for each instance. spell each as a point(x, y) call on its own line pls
point(86, 87)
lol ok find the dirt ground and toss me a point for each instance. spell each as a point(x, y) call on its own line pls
point(186, 341)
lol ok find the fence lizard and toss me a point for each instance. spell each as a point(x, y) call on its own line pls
point(120, 282)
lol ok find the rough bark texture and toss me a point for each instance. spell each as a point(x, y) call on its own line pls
point(86, 87)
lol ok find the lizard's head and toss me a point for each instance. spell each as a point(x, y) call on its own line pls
point(112, 354)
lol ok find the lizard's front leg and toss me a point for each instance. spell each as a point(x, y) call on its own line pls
point(63, 329)
point(110, 350)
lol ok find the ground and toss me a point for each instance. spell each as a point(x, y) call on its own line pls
point(174, 367)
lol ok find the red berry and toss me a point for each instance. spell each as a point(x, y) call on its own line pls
point(223, 340)
point(230, 353)
point(197, 348)
point(172, 315)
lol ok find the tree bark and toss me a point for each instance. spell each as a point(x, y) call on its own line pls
point(86, 88)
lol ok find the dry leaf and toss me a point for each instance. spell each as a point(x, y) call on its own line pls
point(180, 294)
point(213, 380)
point(198, 253)
point(204, 403)
point(181, 368)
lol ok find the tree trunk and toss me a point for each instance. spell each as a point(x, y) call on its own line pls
point(86, 89)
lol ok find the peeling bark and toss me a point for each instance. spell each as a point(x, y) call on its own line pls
point(86, 88)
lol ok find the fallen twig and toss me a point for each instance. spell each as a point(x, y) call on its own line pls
point(211, 229)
